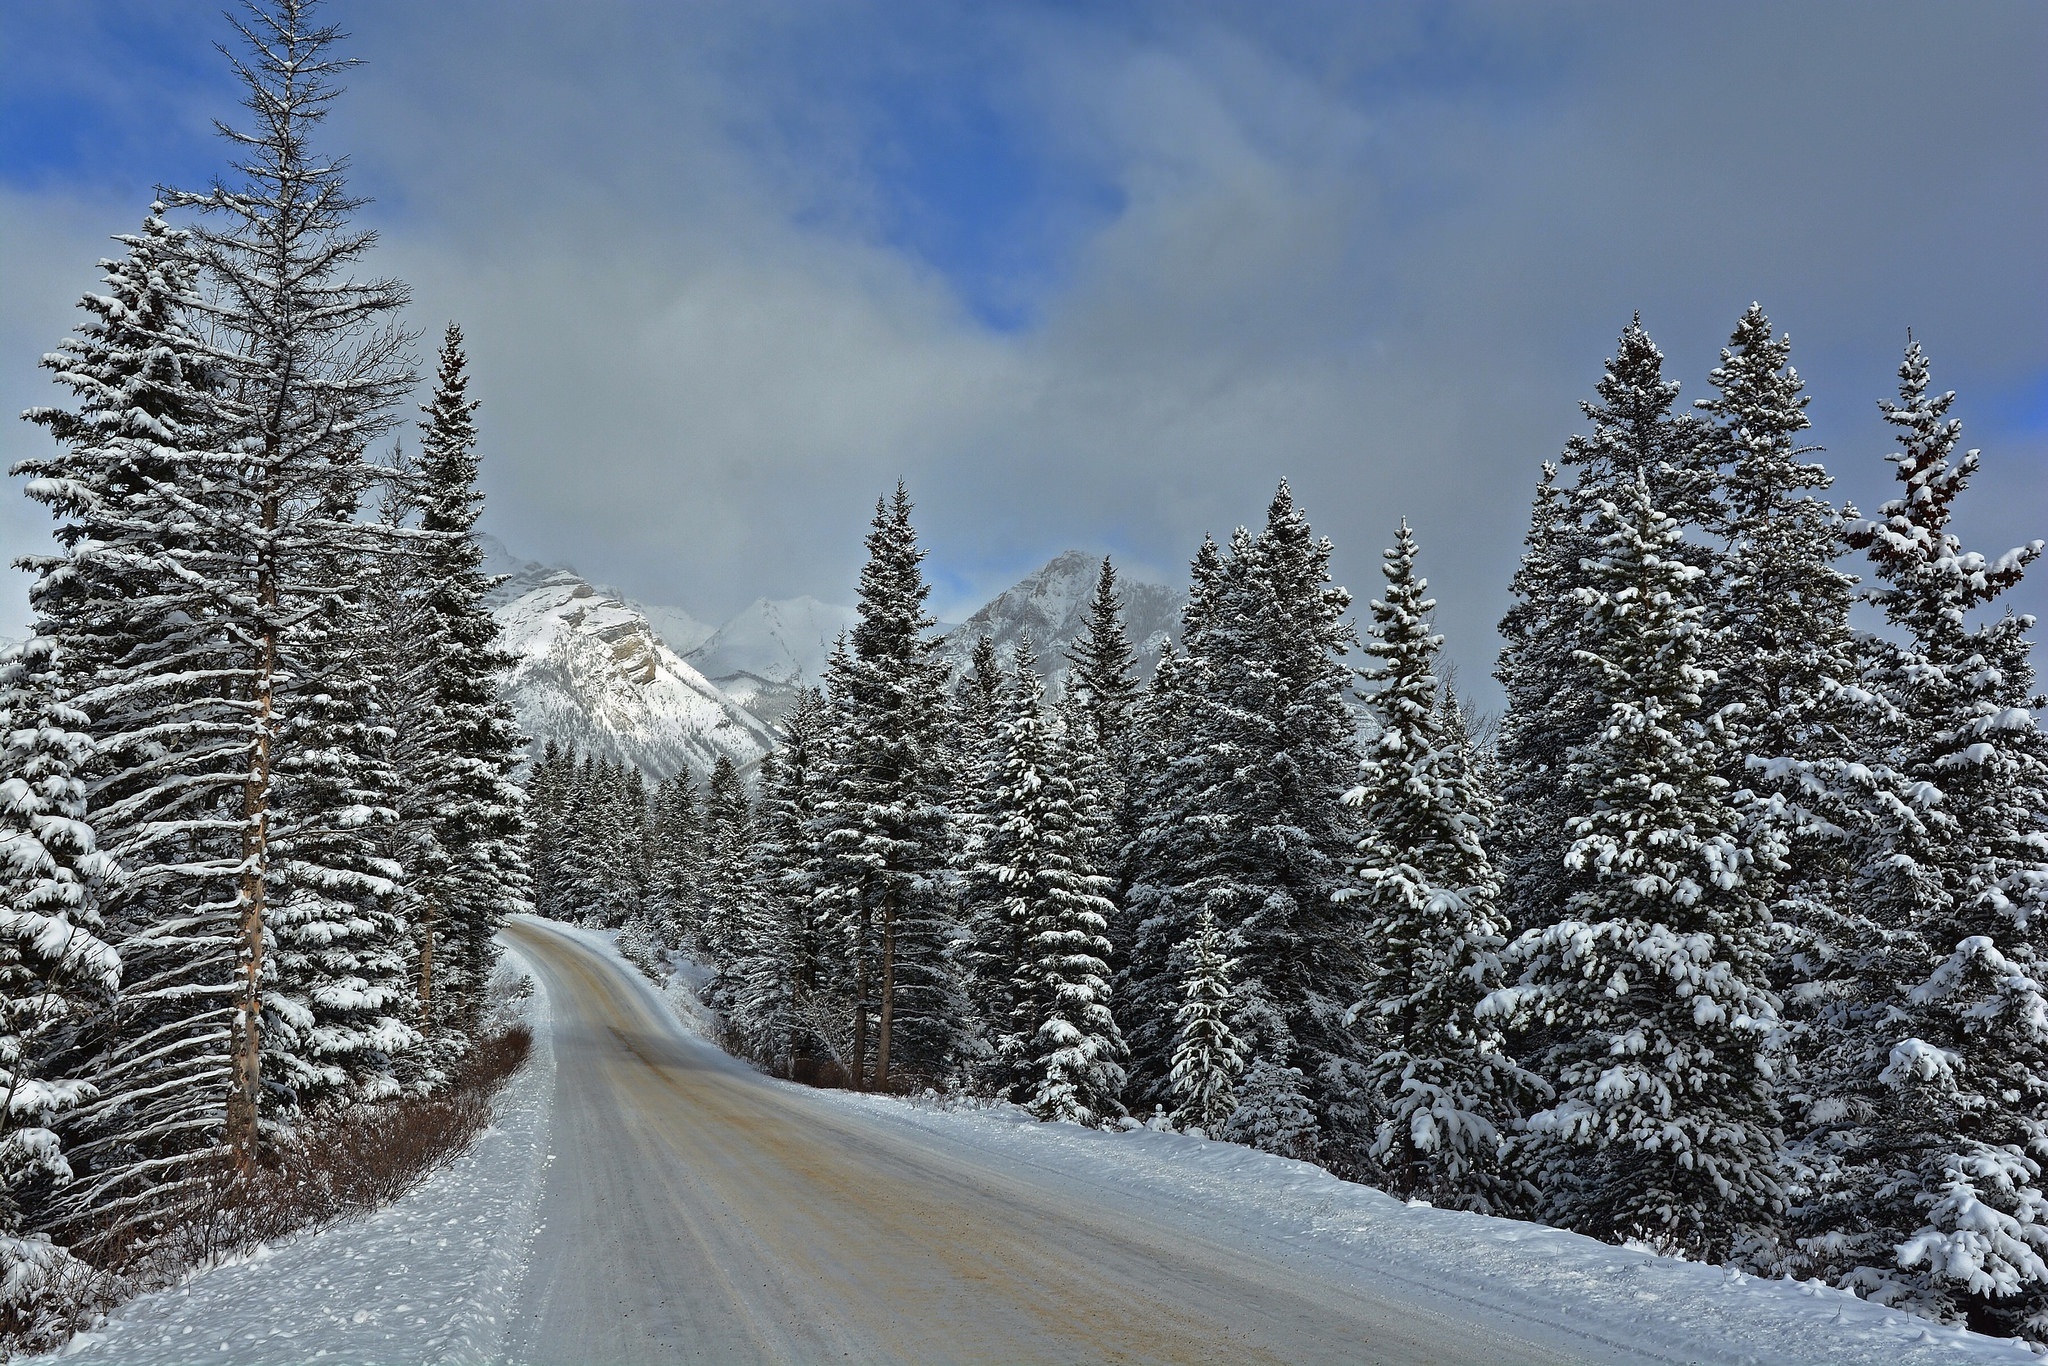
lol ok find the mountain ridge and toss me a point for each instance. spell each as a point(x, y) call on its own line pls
point(660, 689)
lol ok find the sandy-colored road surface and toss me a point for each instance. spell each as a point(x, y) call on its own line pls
point(696, 1211)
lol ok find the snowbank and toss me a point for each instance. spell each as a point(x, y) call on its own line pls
point(1237, 1196)
point(432, 1278)
point(1488, 1268)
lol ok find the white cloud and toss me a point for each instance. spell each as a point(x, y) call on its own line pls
point(702, 358)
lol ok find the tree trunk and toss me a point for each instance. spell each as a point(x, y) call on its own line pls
point(427, 963)
point(246, 1084)
point(860, 1008)
point(888, 994)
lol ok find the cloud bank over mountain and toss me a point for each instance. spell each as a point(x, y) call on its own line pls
point(1101, 276)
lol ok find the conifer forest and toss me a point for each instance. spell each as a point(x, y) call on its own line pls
point(1726, 939)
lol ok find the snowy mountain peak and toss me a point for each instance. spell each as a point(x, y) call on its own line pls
point(762, 656)
point(594, 674)
point(1051, 604)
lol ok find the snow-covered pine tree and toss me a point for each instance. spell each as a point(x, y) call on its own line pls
point(1659, 1024)
point(1174, 782)
point(1448, 1093)
point(882, 826)
point(1299, 950)
point(1207, 1057)
point(1098, 785)
point(756, 987)
point(547, 796)
point(55, 969)
point(728, 883)
point(1241, 812)
point(1105, 681)
point(1551, 695)
point(675, 860)
point(978, 710)
point(583, 871)
point(308, 364)
point(998, 920)
point(1785, 609)
point(1105, 676)
point(141, 640)
point(341, 1017)
point(1062, 1050)
point(1550, 706)
point(776, 978)
point(977, 728)
point(1104, 666)
point(1929, 1136)
point(458, 751)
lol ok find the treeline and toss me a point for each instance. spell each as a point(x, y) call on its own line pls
point(1725, 939)
point(258, 818)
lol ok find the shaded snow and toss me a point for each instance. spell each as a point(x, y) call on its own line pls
point(432, 1278)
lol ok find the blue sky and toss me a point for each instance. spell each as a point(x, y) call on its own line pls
point(1098, 275)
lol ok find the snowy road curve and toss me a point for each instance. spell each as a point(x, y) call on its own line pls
point(698, 1211)
point(640, 1197)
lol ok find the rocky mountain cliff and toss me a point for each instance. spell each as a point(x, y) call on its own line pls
point(1052, 604)
point(660, 689)
point(593, 673)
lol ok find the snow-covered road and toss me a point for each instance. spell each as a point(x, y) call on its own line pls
point(697, 1211)
point(644, 1198)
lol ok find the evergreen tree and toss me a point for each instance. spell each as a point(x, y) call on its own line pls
point(1098, 787)
point(55, 968)
point(1299, 949)
point(675, 862)
point(1447, 1090)
point(583, 870)
point(1553, 696)
point(1063, 1049)
point(625, 805)
point(1241, 787)
point(985, 956)
point(1787, 638)
point(777, 976)
point(547, 796)
point(459, 745)
point(1105, 682)
point(1105, 667)
point(728, 883)
point(882, 825)
point(309, 363)
point(1178, 780)
point(141, 639)
point(1660, 1025)
point(1929, 1088)
point(1550, 706)
point(1207, 1057)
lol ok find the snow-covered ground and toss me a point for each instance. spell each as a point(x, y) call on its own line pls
point(1674, 1310)
point(431, 1279)
point(1681, 1311)
point(437, 1276)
